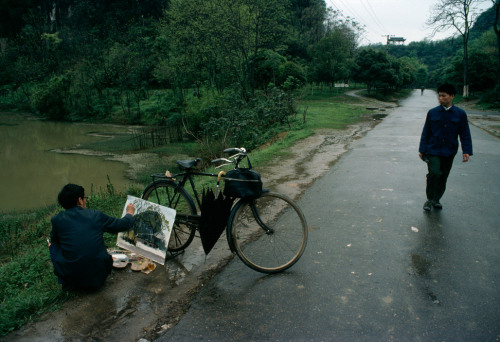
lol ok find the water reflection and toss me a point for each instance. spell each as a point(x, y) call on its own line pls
point(428, 254)
point(31, 175)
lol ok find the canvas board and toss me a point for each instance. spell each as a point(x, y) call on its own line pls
point(151, 231)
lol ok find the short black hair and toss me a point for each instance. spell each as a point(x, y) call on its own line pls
point(447, 88)
point(69, 195)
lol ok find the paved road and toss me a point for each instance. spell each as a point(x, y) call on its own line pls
point(376, 268)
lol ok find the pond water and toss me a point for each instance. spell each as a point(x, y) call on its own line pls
point(31, 173)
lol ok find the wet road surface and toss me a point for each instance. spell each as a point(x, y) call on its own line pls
point(376, 268)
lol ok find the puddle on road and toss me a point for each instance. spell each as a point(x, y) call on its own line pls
point(420, 264)
point(378, 116)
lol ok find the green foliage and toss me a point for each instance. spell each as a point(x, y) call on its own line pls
point(116, 53)
point(48, 98)
point(421, 76)
point(332, 56)
point(268, 68)
point(381, 71)
point(491, 99)
point(28, 287)
point(220, 121)
point(27, 284)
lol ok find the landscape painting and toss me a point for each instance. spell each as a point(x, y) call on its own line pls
point(151, 231)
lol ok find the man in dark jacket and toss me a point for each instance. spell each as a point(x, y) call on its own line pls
point(439, 143)
point(77, 247)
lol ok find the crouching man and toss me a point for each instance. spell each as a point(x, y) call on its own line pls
point(77, 248)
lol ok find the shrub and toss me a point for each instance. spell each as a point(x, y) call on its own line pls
point(48, 98)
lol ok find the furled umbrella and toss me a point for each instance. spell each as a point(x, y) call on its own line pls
point(215, 210)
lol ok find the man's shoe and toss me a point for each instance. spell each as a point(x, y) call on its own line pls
point(428, 206)
point(437, 205)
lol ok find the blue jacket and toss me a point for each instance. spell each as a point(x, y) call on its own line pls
point(441, 131)
point(82, 259)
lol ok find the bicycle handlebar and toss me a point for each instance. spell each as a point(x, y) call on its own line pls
point(240, 150)
point(238, 155)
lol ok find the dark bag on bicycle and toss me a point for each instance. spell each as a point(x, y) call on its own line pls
point(243, 183)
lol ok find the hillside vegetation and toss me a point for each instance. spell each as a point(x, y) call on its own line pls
point(215, 72)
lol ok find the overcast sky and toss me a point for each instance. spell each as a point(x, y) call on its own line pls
point(399, 18)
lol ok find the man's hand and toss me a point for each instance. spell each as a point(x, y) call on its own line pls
point(423, 157)
point(130, 209)
point(465, 158)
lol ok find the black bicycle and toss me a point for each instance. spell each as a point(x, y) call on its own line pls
point(268, 233)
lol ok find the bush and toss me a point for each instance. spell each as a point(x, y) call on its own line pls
point(491, 99)
point(48, 98)
point(228, 121)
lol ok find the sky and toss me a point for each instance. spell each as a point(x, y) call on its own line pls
point(398, 18)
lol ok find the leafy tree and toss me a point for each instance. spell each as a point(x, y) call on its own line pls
point(421, 76)
point(484, 61)
point(307, 26)
point(483, 67)
point(268, 65)
point(331, 56)
point(216, 42)
point(372, 68)
point(460, 15)
point(407, 71)
point(292, 72)
point(496, 8)
point(49, 98)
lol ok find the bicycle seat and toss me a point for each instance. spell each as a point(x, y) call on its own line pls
point(188, 164)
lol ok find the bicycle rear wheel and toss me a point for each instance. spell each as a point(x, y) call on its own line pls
point(169, 194)
point(269, 234)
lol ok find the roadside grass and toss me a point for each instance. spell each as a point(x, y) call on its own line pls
point(28, 287)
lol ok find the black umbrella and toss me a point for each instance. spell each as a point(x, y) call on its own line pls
point(215, 210)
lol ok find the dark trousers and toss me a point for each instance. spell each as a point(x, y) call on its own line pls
point(439, 169)
point(55, 250)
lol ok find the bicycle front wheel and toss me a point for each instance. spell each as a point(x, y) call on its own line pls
point(170, 194)
point(269, 234)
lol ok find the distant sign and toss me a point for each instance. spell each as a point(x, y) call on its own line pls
point(397, 39)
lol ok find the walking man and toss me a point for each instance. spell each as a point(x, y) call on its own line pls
point(444, 124)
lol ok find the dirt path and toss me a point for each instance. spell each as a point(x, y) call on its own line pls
point(134, 306)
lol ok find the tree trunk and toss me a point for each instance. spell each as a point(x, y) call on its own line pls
point(466, 67)
point(465, 37)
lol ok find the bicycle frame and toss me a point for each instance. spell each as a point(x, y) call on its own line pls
point(171, 190)
point(185, 176)
point(257, 218)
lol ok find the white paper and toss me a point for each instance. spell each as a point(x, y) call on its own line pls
point(151, 231)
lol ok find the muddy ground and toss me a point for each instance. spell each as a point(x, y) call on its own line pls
point(134, 306)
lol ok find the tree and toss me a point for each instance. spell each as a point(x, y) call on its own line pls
point(407, 71)
point(374, 69)
point(422, 75)
point(332, 56)
point(496, 6)
point(460, 15)
point(216, 42)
